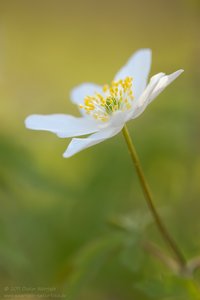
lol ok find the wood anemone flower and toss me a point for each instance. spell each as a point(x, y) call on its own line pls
point(106, 109)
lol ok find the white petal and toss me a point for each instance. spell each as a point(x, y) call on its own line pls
point(63, 125)
point(118, 119)
point(86, 89)
point(140, 104)
point(137, 67)
point(157, 84)
point(163, 83)
point(78, 145)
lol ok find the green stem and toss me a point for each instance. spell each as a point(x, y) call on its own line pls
point(163, 230)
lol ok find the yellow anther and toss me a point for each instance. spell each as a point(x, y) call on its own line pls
point(111, 90)
point(100, 96)
point(89, 108)
point(118, 96)
point(105, 88)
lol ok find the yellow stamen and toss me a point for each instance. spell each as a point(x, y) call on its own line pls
point(116, 97)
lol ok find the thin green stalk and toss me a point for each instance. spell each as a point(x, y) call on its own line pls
point(161, 227)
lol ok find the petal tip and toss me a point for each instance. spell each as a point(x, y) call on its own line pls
point(177, 73)
point(27, 122)
point(66, 154)
point(143, 51)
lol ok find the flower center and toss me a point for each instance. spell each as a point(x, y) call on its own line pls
point(116, 97)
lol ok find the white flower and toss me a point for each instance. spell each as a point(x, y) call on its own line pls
point(106, 109)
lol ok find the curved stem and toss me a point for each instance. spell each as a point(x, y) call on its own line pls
point(163, 230)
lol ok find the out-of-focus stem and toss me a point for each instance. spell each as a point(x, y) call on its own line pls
point(149, 199)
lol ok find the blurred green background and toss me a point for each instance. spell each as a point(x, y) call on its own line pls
point(56, 213)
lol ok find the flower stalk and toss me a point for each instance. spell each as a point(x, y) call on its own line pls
point(149, 199)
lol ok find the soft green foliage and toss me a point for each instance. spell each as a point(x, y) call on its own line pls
point(78, 225)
